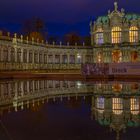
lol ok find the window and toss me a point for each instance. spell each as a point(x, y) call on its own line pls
point(36, 57)
point(45, 58)
point(19, 55)
point(30, 57)
point(24, 56)
point(50, 59)
point(133, 34)
point(12, 55)
point(117, 106)
point(134, 106)
point(72, 59)
point(99, 36)
point(64, 59)
point(5, 55)
point(57, 59)
point(116, 35)
point(100, 103)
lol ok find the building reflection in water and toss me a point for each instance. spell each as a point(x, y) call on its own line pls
point(114, 104)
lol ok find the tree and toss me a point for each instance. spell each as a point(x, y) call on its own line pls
point(35, 28)
point(72, 38)
point(87, 40)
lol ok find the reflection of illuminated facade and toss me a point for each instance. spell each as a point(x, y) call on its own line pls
point(116, 36)
point(18, 91)
point(117, 112)
point(109, 103)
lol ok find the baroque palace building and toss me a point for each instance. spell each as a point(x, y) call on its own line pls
point(114, 38)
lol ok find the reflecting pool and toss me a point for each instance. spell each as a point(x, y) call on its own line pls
point(40, 109)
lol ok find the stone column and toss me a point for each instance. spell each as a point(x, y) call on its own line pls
point(27, 56)
point(83, 60)
point(60, 59)
point(75, 58)
point(68, 58)
point(22, 90)
point(43, 57)
point(21, 56)
point(53, 59)
point(33, 57)
point(38, 57)
point(15, 54)
point(47, 59)
point(2, 90)
point(9, 55)
point(1, 56)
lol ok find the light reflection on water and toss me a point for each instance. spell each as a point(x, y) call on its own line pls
point(64, 110)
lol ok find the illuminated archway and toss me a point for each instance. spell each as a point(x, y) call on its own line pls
point(116, 56)
point(117, 87)
point(134, 56)
point(100, 57)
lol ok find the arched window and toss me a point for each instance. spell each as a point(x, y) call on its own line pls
point(134, 106)
point(116, 34)
point(117, 106)
point(133, 34)
point(100, 104)
point(99, 38)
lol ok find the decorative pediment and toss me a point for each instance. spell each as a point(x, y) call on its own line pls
point(116, 12)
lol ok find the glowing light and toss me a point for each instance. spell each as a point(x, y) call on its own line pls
point(116, 35)
point(99, 37)
point(133, 34)
point(117, 106)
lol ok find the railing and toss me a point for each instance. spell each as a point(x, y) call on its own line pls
point(21, 41)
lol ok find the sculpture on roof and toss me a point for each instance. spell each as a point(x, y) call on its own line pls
point(116, 6)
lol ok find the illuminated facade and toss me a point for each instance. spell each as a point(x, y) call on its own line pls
point(116, 36)
point(25, 55)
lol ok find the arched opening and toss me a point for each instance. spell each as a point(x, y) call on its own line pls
point(100, 57)
point(134, 56)
point(99, 37)
point(116, 34)
point(134, 106)
point(117, 87)
point(116, 56)
point(133, 34)
point(117, 106)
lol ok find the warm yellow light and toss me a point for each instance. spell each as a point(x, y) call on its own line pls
point(117, 106)
point(134, 106)
point(133, 34)
point(116, 35)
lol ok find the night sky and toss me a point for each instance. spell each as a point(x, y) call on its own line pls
point(60, 16)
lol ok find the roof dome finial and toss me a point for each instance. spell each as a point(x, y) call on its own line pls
point(116, 6)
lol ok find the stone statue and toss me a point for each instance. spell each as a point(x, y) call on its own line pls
point(116, 6)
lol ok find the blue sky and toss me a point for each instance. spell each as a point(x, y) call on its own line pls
point(60, 16)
